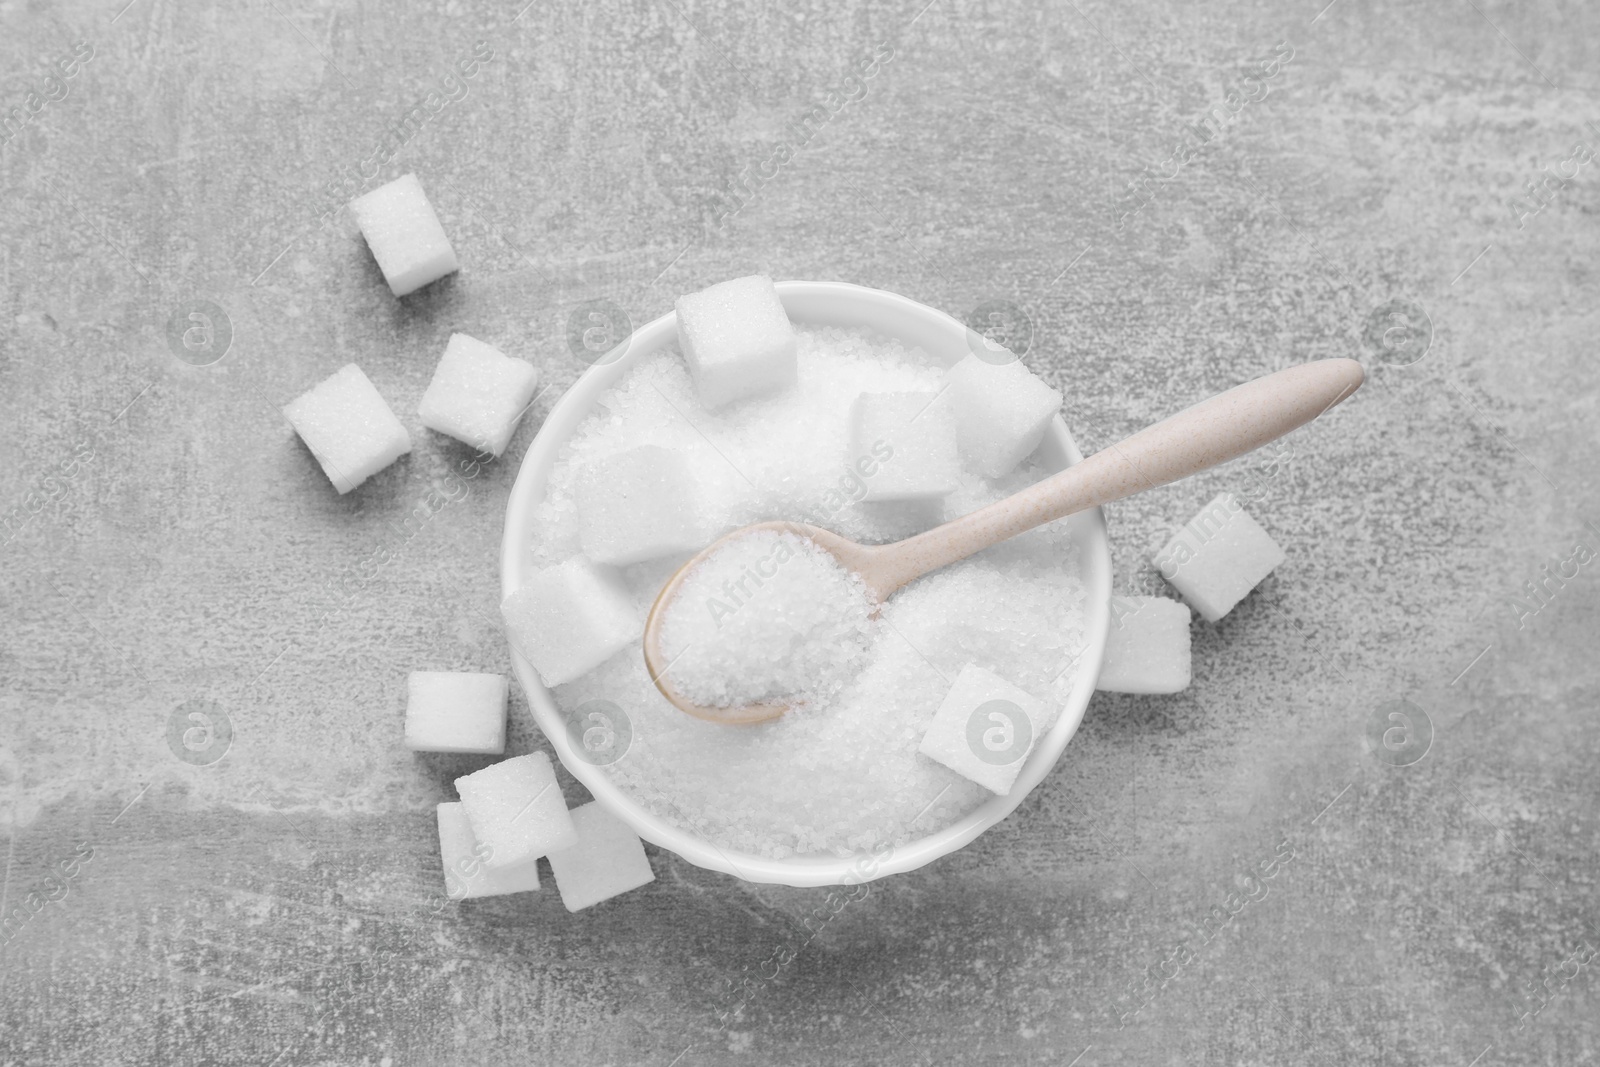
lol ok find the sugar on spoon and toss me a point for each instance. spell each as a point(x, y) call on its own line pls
point(1211, 432)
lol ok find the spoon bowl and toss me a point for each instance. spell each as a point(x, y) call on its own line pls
point(849, 554)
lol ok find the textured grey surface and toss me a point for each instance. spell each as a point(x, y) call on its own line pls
point(169, 541)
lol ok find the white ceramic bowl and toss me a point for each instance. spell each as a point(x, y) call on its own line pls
point(832, 304)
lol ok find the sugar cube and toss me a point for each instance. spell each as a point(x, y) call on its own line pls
point(737, 340)
point(404, 234)
point(904, 445)
point(465, 875)
point(348, 427)
point(1002, 410)
point(1147, 648)
point(568, 619)
point(985, 727)
point(1218, 557)
point(516, 809)
point(478, 394)
point(638, 505)
point(607, 860)
point(452, 711)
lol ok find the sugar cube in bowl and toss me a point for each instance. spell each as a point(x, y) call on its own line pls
point(1002, 410)
point(736, 340)
point(826, 304)
point(985, 727)
point(570, 618)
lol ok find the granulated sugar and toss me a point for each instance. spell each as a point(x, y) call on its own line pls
point(767, 616)
point(840, 775)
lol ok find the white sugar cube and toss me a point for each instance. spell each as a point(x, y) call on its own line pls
point(607, 860)
point(348, 427)
point(404, 234)
point(516, 809)
point(904, 445)
point(737, 340)
point(568, 619)
point(477, 394)
point(985, 727)
point(451, 711)
point(465, 875)
point(1218, 557)
point(1147, 647)
point(638, 505)
point(1002, 410)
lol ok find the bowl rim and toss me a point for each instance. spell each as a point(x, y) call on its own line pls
point(830, 303)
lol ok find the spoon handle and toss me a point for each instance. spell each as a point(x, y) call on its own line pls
point(1211, 432)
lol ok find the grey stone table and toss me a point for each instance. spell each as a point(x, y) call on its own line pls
point(1176, 196)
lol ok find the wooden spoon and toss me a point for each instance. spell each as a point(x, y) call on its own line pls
point(1211, 432)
